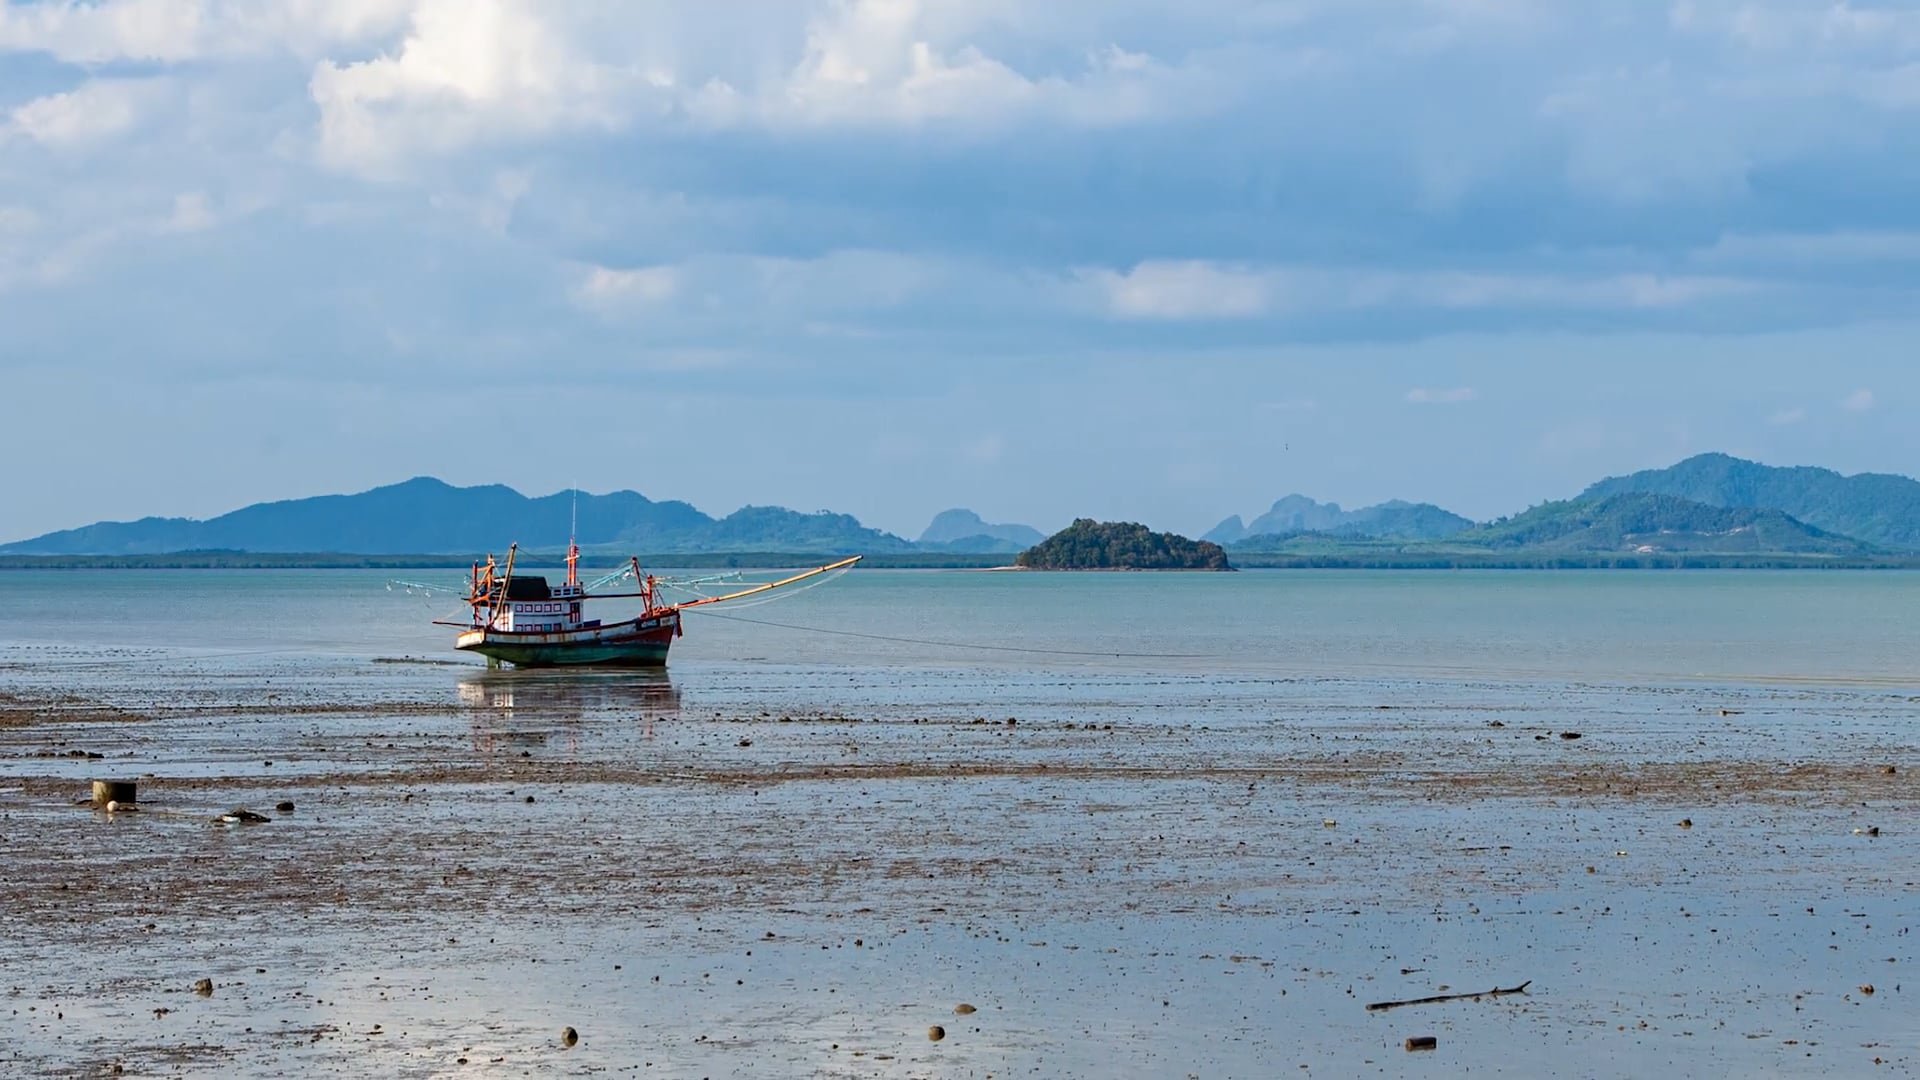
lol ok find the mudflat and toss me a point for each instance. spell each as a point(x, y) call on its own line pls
point(764, 870)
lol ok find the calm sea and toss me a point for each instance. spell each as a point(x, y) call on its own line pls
point(1600, 625)
point(952, 640)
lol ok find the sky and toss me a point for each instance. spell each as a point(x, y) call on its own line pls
point(1110, 258)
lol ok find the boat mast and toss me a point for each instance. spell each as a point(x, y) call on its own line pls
point(494, 614)
point(573, 545)
point(646, 585)
point(481, 593)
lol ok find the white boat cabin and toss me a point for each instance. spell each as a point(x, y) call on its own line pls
point(531, 606)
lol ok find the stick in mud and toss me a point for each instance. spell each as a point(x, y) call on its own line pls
point(1382, 1006)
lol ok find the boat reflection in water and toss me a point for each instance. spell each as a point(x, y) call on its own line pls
point(524, 708)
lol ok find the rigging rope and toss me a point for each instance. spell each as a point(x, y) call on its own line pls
point(949, 644)
point(147, 658)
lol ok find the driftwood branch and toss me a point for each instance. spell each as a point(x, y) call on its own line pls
point(1382, 1006)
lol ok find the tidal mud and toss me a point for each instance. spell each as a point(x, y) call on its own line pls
point(757, 870)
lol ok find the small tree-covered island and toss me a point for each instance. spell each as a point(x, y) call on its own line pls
point(1120, 545)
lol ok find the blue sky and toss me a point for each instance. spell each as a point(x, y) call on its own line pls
point(1101, 257)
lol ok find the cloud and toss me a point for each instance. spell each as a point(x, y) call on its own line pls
point(92, 113)
point(468, 71)
point(102, 33)
point(874, 174)
point(177, 31)
point(865, 67)
point(191, 213)
point(476, 72)
point(1191, 289)
point(1846, 247)
point(1201, 289)
point(1458, 395)
point(1470, 290)
point(850, 295)
point(603, 287)
point(1787, 417)
point(1859, 401)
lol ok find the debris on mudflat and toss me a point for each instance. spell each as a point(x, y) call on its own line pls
point(1569, 735)
point(1423, 1042)
point(964, 1009)
point(1382, 1006)
point(204, 988)
point(285, 806)
point(568, 1036)
point(936, 1033)
point(241, 816)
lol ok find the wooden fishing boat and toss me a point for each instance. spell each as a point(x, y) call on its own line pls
point(523, 620)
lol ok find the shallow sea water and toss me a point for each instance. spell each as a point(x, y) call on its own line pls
point(1232, 811)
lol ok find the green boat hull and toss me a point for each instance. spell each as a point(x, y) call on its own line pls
point(640, 643)
point(562, 656)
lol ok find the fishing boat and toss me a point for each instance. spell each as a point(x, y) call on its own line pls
point(523, 620)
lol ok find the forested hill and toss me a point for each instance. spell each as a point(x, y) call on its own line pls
point(1110, 545)
point(1879, 508)
point(1630, 522)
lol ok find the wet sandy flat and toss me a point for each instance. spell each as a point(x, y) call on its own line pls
point(764, 870)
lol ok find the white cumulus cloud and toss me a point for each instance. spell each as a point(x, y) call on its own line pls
point(468, 71)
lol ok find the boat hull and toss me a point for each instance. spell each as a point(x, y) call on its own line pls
point(641, 642)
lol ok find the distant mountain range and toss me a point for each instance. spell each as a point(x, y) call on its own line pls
point(962, 530)
point(1296, 514)
point(1712, 504)
point(424, 516)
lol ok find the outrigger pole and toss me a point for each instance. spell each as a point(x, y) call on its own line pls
point(772, 584)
